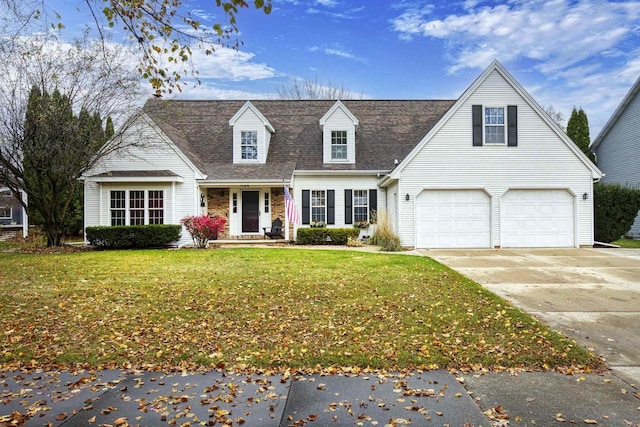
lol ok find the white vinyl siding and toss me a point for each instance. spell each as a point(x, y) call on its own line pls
point(541, 160)
point(339, 184)
point(180, 199)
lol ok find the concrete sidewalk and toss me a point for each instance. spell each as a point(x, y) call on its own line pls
point(117, 398)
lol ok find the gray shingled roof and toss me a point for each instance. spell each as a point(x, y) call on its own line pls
point(388, 130)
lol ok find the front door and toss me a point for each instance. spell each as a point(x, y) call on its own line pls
point(250, 211)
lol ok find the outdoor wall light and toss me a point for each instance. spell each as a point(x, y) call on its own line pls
point(407, 197)
point(202, 200)
point(585, 196)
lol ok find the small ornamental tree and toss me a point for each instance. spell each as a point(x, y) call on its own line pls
point(203, 228)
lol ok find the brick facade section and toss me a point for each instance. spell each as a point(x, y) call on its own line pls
point(218, 204)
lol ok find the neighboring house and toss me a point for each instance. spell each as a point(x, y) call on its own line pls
point(12, 215)
point(617, 146)
point(487, 170)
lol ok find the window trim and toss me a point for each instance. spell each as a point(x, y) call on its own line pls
point(343, 145)
point(244, 145)
point(127, 208)
point(486, 125)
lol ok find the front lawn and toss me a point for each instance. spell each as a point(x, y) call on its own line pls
point(267, 308)
point(627, 243)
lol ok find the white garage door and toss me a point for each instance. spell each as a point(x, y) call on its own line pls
point(453, 219)
point(537, 218)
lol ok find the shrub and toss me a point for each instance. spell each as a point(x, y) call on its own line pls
point(318, 236)
point(133, 236)
point(203, 228)
point(615, 208)
point(384, 236)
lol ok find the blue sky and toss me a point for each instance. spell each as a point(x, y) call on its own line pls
point(565, 53)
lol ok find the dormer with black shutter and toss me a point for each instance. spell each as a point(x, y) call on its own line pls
point(495, 125)
point(251, 135)
point(339, 135)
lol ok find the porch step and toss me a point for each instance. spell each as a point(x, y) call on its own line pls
point(249, 242)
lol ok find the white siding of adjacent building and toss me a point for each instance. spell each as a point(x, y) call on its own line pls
point(392, 206)
point(540, 161)
point(181, 199)
point(618, 155)
point(339, 184)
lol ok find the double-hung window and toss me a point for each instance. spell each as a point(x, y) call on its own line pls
point(136, 207)
point(249, 144)
point(339, 145)
point(360, 205)
point(494, 125)
point(156, 207)
point(318, 206)
point(118, 207)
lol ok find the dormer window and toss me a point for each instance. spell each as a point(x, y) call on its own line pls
point(249, 144)
point(339, 145)
point(339, 135)
point(251, 135)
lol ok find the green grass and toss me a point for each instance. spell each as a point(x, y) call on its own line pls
point(265, 308)
point(627, 243)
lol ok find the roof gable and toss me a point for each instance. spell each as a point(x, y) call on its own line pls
point(496, 67)
point(635, 89)
point(345, 110)
point(249, 106)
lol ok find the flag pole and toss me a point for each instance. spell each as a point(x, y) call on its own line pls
point(286, 217)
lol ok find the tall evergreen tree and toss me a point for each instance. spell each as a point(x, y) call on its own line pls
point(578, 131)
point(55, 145)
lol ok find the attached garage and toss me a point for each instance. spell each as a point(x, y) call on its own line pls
point(453, 219)
point(537, 218)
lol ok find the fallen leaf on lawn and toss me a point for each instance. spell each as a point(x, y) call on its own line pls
point(62, 416)
point(92, 420)
point(590, 421)
point(120, 421)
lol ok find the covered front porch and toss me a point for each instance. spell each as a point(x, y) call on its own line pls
point(248, 209)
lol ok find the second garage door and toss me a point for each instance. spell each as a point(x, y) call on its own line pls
point(537, 218)
point(453, 219)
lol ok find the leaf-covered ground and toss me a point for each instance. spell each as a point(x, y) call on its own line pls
point(265, 308)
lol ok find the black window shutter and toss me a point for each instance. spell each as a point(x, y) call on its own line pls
point(373, 202)
point(306, 204)
point(348, 206)
point(331, 206)
point(512, 125)
point(476, 111)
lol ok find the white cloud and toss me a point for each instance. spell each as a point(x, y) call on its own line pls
point(327, 3)
point(230, 64)
point(208, 90)
point(557, 33)
point(336, 50)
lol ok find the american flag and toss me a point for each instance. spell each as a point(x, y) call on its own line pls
point(290, 207)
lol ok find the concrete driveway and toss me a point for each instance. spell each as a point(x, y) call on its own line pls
point(590, 295)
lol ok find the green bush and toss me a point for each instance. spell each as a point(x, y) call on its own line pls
point(133, 236)
point(318, 236)
point(615, 208)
